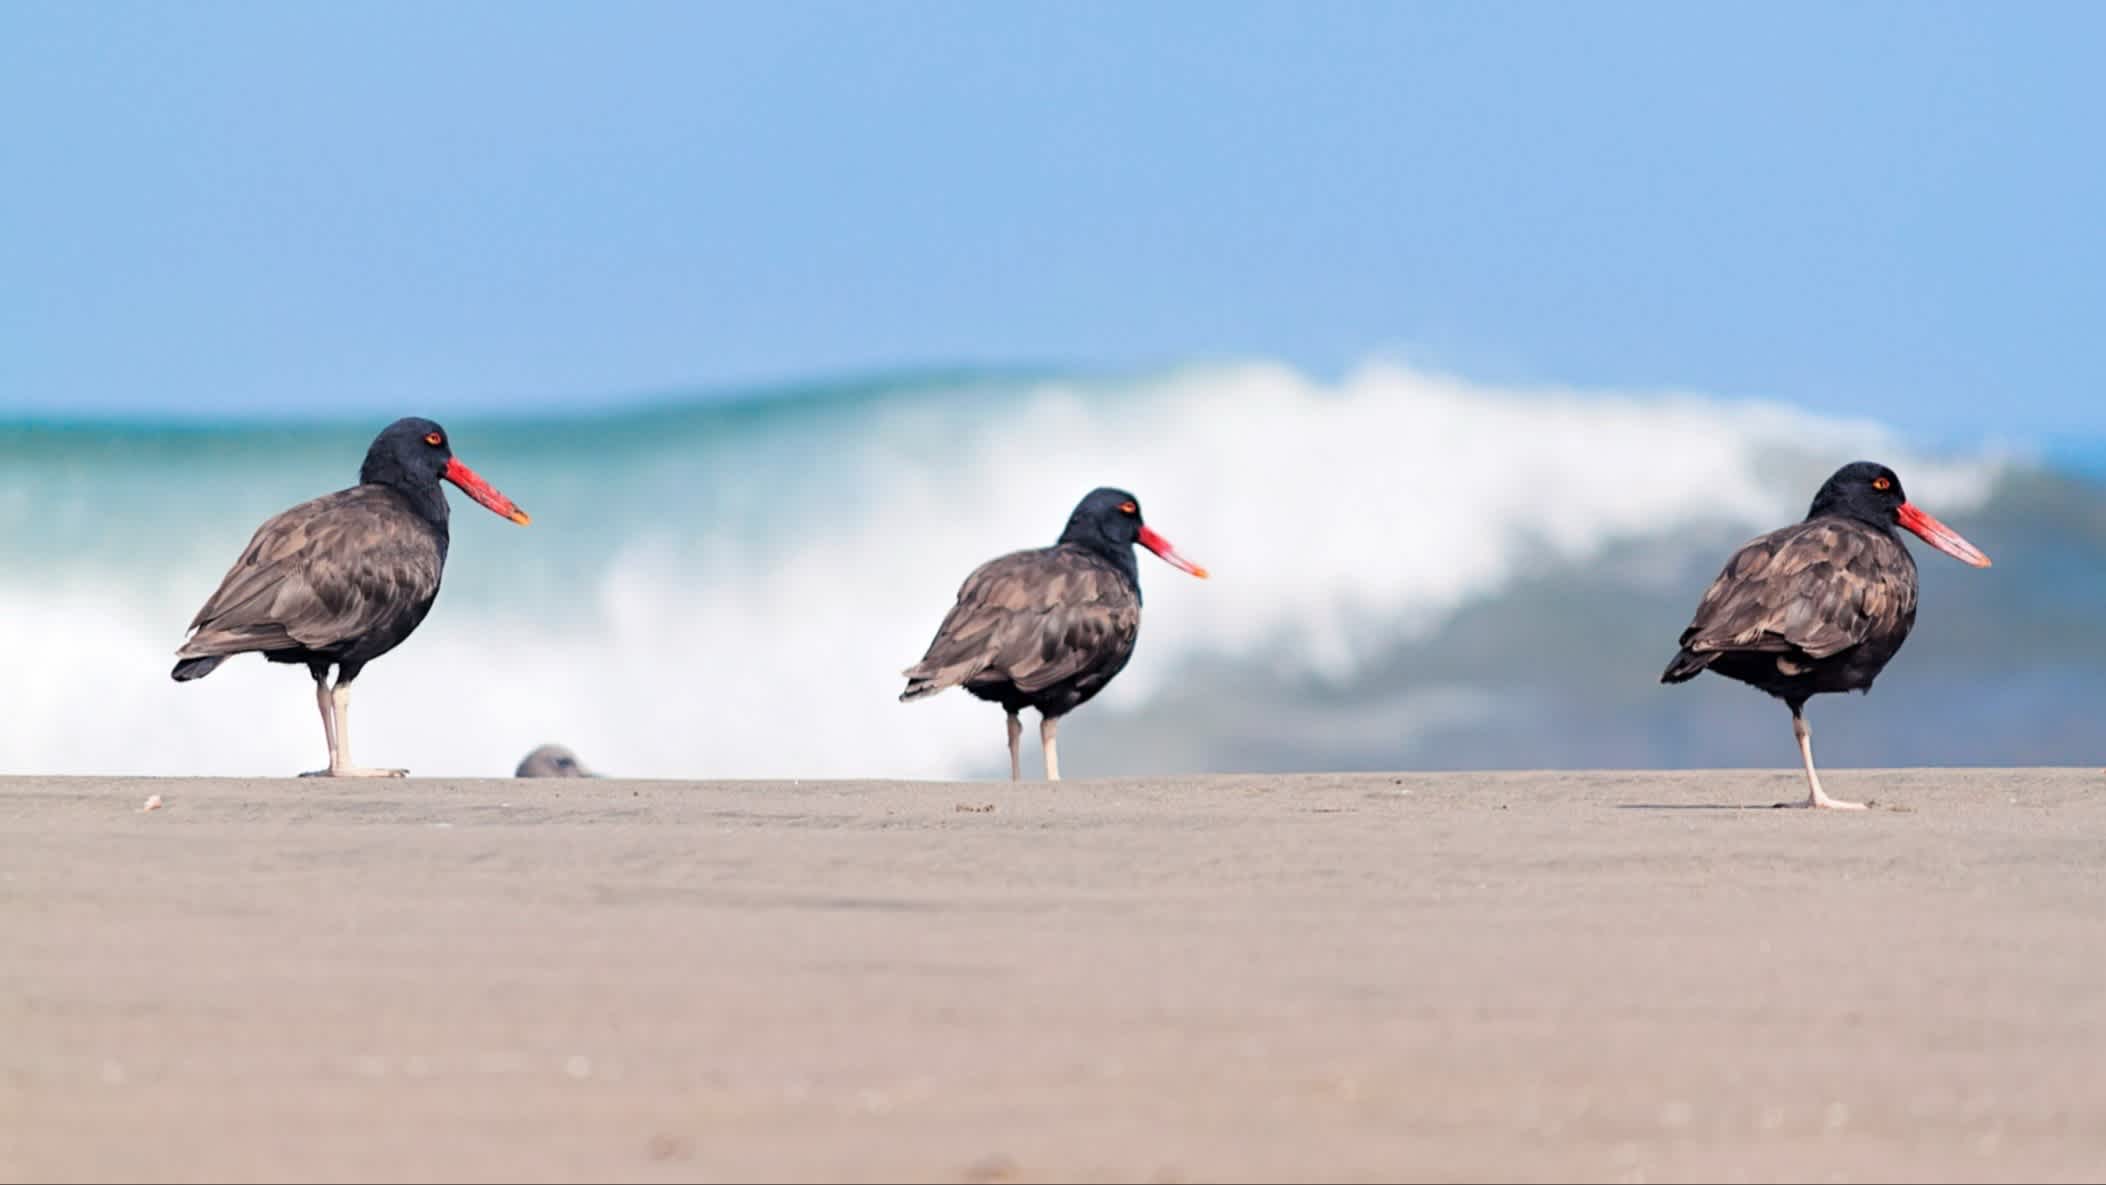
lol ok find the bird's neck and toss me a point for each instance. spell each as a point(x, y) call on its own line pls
point(423, 497)
point(1851, 514)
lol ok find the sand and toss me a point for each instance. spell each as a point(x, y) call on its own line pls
point(1508, 976)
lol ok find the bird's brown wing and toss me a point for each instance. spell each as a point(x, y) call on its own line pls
point(1815, 588)
point(1032, 618)
point(321, 573)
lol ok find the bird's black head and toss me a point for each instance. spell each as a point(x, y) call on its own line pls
point(1109, 521)
point(413, 454)
point(412, 451)
point(1105, 516)
point(1865, 490)
point(1870, 492)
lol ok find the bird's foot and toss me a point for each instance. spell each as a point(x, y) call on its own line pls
point(1823, 803)
point(355, 771)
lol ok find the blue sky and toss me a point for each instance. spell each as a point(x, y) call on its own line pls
point(214, 208)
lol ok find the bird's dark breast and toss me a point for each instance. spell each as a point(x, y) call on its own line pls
point(388, 592)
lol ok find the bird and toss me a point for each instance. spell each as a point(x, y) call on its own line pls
point(1821, 605)
point(1047, 628)
point(552, 761)
point(341, 580)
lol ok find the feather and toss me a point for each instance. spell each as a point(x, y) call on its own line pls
point(1055, 622)
point(356, 569)
point(1805, 593)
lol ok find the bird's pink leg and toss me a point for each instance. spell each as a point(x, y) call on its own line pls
point(1047, 726)
point(1815, 796)
point(1016, 762)
point(322, 701)
point(340, 754)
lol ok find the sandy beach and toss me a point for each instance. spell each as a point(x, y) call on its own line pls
point(1500, 976)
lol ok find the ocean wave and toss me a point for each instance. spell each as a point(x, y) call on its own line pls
point(730, 590)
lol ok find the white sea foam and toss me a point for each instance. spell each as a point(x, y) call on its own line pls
point(737, 600)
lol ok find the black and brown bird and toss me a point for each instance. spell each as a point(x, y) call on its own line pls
point(1049, 627)
point(343, 579)
point(1821, 605)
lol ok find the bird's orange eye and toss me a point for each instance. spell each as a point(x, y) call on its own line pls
point(1128, 508)
point(1882, 483)
point(434, 439)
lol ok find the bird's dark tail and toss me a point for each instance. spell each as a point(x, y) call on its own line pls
point(196, 668)
point(1686, 666)
point(932, 675)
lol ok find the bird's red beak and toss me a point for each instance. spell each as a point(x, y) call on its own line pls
point(482, 491)
point(1161, 546)
point(1940, 536)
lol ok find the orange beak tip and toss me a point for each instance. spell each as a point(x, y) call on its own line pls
point(520, 516)
point(1200, 572)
